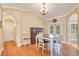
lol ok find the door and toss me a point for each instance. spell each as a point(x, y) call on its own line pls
point(8, 32)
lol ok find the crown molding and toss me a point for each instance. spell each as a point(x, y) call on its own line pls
point(22, 9)
point(65, 14)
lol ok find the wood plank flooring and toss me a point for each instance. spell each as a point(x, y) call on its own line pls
point(10, 49)
point(69, 50)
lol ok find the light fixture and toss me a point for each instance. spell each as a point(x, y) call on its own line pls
point(44, 9)
point(54, 20)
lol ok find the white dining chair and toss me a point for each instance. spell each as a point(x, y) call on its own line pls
point(41, 43)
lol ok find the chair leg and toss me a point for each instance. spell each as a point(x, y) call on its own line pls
point(43, 49)
point(38, 47)
point(48, 46)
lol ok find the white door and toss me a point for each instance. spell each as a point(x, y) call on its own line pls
point(8, 32)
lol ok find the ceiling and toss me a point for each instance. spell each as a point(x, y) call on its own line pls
point(54, 9)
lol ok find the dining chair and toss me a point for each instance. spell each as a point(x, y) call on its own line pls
point(42, 43)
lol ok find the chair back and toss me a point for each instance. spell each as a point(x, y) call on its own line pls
point(40, 37)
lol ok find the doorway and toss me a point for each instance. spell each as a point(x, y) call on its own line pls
point(8, 30)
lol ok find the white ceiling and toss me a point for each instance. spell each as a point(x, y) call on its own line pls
point(54, 9)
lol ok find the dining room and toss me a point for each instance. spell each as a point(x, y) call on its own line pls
point(39, 29)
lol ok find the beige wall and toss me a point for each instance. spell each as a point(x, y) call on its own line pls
point(60, 21)
point(29, 20)
point(76, 11)
point(64, 21)
point(24, 20)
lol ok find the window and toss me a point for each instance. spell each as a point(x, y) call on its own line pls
point(73, 28)
point(51, 29)
point(72, 33)
point(58, 29)
point(55, 29)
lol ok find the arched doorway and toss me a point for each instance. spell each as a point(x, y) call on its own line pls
point(12, 16)
point(9, 29)
point(72, 28)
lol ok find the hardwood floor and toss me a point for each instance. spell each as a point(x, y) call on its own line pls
point(69, 50)
point(10, 49)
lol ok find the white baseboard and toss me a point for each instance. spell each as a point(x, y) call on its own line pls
point(8, 40)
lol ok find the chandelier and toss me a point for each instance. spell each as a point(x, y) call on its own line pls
point(44, 9)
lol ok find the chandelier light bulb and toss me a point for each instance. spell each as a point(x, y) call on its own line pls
point(44, 9)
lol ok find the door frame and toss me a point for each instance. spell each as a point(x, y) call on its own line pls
point(14, 28)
